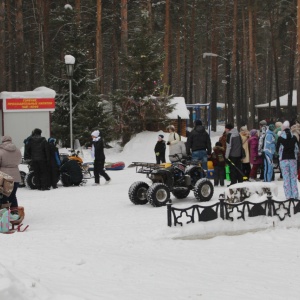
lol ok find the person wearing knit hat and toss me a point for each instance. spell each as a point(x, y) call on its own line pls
point(198, 122)
point(160, 150)
point(253, 132)
point(229, 126)
point(99, 158)
point(286, 124)
point(272, 127)
point(287, 148)
point(263, 123)
point(269, 149)
point(95, 133)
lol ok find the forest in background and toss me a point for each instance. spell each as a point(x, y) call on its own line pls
point(241, 53)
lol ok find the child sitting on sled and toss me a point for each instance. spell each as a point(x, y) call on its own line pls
point(218, 159)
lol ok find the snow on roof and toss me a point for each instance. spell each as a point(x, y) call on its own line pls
point(283, 101)
point(179, 110)
point(40, 92)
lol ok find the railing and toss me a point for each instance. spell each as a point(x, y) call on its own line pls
point(232, 211)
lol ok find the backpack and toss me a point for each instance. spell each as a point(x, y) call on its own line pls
point(6, 184)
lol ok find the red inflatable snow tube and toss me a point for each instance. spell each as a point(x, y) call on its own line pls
point(119, 165)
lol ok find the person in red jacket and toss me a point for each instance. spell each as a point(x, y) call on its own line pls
point(218, 159)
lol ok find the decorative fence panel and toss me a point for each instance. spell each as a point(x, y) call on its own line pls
point(227, 211)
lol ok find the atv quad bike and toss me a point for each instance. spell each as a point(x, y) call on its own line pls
point(179, 179)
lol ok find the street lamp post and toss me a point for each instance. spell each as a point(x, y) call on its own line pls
point(215, 86)
point(70, 61)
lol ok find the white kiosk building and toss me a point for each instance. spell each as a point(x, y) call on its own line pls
point(21, 112)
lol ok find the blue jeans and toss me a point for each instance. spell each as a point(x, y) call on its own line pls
point(200, 155)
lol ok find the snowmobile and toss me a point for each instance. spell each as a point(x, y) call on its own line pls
point(178, 178)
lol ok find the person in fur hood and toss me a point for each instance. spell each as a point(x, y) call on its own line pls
point(218, 159)
point(10, 158)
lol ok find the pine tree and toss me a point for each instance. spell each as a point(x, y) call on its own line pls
point(145, 101)
point(68, 36)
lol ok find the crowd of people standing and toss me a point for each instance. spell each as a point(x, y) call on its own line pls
point(250, 154)
point(261, 148)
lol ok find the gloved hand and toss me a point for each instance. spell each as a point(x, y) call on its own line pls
point(157, 153)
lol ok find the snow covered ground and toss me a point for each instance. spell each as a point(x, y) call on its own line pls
point(92, 243)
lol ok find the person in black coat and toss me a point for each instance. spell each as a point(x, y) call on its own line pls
point(160, 150)
point(199, 143)
point(54, 163)
point(37, 150)
point(99, 158)
point(71, 173)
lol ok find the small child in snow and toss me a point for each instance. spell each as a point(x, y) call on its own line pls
point(160, 150)
point(218, 159)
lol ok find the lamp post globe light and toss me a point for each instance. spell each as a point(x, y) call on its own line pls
point(70, 61)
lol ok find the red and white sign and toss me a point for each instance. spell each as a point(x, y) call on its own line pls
point(25, 104)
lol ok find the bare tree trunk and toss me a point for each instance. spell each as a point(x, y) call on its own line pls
point(291, 72)
point(167, 45)
point(99, 48)
point(124, 38)
point(124, 26)
point(251, 120)
point(214, 69)
point(275, 57)
point(20, 83)
point(115, 51)
point(2, 47)
point(184, 88)
point(233, 69)
point(78, 11)
point(11, 53)
point(192, 60)
point(178, 66)
point(244, 70)
point(298, 58)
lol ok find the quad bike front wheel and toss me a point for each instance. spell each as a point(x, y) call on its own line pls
point(138, 193)
point(158, 194)
point(204, 190)
point(30, 180)
point(181, 194)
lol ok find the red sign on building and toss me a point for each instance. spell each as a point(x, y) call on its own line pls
point(30, 103)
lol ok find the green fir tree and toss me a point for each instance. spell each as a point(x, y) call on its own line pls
point(144, 102)
point(68, 38)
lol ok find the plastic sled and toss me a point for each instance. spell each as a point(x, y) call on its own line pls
point(21, 213)
point(120, 165)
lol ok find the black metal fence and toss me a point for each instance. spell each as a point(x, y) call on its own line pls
point(232, 211)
